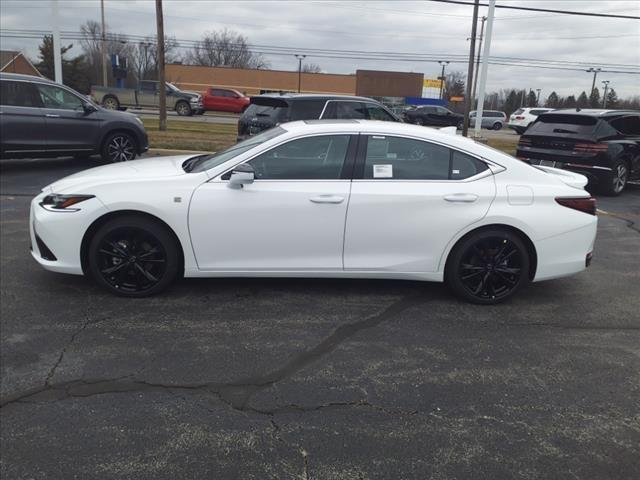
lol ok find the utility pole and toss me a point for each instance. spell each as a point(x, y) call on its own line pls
point(162, 85)
point(103, 46)
point(485, 67)
point(604, 98)
point(300, 58)
point(442, 78)
point(475, 82)
point(538, 90)
point(57, 49)
point(595, 74)
point(522, 101)
point(472, 51)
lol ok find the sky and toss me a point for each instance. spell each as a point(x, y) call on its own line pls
point(382, 26)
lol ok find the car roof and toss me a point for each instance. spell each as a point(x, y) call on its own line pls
point(21, 76)
point(594, 112)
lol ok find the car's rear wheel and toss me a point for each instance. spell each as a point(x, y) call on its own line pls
point(110, 102)
point(488, 267)
point(616, 181)
point(497, 126)
point(183, 109)
point(119, 147)
point(133, 256)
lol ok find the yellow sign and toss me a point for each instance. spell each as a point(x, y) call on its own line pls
point(456, 99)
point(431, 83)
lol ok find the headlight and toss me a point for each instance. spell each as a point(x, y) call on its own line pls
point(61, 203)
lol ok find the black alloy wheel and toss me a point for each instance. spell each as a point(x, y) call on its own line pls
point(119, 147)
point(488, 267)
point(497, 126)
point(133, 256)
point(419, 121)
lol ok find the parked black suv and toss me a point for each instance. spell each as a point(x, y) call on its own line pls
point(269, 110)
point(603, 145)
point(40, 118)
point(434, 116)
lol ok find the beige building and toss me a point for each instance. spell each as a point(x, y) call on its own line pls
point(254, 82)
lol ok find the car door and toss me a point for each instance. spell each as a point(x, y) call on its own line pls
point(22, 124)
point(290, 218)
point(216, 100)
point(69, 127)
point(409, 198)
point(148, 94)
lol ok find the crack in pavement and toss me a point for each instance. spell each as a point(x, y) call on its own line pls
point(235, 394)
point(630, 223)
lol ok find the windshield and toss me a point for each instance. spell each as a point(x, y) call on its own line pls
point(171, 86)
point(207, 162)
point(274, 112)
point(563, 123)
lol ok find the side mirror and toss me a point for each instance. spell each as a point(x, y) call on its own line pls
point(242, 175)
point(88, 108)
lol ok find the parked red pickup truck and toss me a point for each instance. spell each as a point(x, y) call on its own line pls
point(224, 100)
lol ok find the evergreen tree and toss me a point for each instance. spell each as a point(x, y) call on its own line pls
point(552, 100)
point(570, 101)
point(583, 100)
point(594, 98)
point(74, 72)
point(532, 99)
point(612, 99)
point(511, 103)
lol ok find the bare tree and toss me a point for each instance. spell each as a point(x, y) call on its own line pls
point(311, 68)
point(90, 43)
point(144, 57)
point(225, 48)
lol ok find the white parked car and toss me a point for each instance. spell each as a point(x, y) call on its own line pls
point(523, 117)
point(341, 198)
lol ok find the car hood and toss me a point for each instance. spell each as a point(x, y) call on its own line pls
point(147, 168)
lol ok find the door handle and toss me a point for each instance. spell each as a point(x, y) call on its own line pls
point(461, 198)
point(327, 199)
point(52, 115)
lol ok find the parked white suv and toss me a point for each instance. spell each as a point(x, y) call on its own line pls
point(523, 117)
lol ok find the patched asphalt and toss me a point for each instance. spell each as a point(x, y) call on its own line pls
point(317, 379)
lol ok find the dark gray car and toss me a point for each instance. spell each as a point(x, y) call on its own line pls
point(40, 118)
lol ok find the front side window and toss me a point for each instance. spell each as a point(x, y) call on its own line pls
point(311, 158)
point(376, 112)
point(396, 158)
point(58, 98)
point(442, 111)
point(18, 94)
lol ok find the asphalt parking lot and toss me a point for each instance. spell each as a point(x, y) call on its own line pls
point(317, 379)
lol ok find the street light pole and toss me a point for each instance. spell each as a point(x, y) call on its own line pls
point(472, 51)
point(485, 67)
point(444, 64)
point(162, 86)
point(595, 74)
point(604, 99)
point(57, 48)
point(475, 82)
point(300, 58)
point(103, 52)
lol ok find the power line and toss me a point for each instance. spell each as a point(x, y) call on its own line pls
point(545, 10)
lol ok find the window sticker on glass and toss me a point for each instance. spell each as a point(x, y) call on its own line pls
point(383, 171)
point(392, 155)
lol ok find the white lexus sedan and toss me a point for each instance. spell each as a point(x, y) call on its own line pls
point(341, 198)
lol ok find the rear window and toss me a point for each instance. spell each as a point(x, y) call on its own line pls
point(518, 112)
point(538, 112)
point(564, 124)
point(276, 113)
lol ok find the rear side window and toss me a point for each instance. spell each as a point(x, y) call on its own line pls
point(342, 110)
point(18, 94)
point(465, 166)
point(275, 113)
point(306, 109)
point(627, 125)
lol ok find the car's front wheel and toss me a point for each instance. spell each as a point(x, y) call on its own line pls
point(488, 266)
point(183, 109)
point(616, 181)
point(419, 121)
point(119, 147)
point(133, 256)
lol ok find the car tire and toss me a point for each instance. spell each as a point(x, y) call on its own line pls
point(184, 109)
point(118, 147)
point(133, 256)
point(419, 121)
point(615, 182)
point(110, 102)
point(488, 266)
point(497, 126)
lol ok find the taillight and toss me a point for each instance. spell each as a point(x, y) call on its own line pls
point(519, 117)
point(590, 147)
point(586, 205)
point(524, 142)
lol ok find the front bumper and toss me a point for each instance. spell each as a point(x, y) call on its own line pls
point(61, 233)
